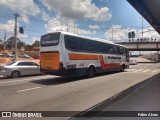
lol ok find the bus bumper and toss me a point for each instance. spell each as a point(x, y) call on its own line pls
point(64, 72)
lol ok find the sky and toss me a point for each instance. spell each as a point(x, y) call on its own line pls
point(105, 19)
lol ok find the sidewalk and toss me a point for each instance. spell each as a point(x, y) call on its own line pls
point(145, 98)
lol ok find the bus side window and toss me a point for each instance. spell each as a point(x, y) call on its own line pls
point(122, 51)
point(93, 46)
point(101, 47)
point(110, 48)
point(83, 44)
point(117, 50)
point(71, 42)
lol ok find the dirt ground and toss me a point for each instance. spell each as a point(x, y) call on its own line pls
point(33, 54)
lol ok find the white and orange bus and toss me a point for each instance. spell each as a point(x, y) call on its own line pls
point(65, 54)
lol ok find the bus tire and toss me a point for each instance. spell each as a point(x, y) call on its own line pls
point(122, 68)
point(91, 71)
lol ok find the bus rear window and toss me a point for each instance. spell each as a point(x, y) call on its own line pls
point(50, 39)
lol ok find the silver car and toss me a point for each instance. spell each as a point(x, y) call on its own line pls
point(24, 56)
point(20, 68)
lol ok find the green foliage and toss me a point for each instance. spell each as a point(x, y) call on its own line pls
point(10, 43)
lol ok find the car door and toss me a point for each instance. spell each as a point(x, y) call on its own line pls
point(34, 68)
point(23, 68)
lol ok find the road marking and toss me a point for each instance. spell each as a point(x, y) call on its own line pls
point(11, 81)
point(28, 89)
point(145, 70)
point(28, 79)
point(130, 70)
point(155, 71)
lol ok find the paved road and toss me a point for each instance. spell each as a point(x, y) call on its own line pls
point(52, 93)
point(140, 59)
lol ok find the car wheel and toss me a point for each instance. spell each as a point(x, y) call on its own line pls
point(15, 74)
point(91, 71)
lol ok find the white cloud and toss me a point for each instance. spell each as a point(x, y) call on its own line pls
point(85, 32)
point(45, 16)
point(35, 38)
point(28, 7)
point(118, 33)
point(23, 7)
point(94, 26)
point(61, 24)
point(78, 9)
point(121, 34)
point(8, 26)
point(148, 33)
point(25, 18)
point(22, 36)
point(53, 25)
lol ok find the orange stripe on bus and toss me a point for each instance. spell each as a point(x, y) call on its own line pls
point(73, 56)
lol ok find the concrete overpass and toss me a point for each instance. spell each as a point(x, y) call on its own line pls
point(142, 46)
point(150, 10)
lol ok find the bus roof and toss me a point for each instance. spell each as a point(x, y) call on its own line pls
point(95, 39)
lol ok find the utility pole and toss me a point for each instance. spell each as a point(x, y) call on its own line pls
point(5, 40)
point(112, 33)
point(74, 27)
point(142, 32)
point(77, 30)
point(16, 15)
point(142, 28)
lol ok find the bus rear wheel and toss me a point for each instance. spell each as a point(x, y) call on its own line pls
point(122, 68)
point(91, 71)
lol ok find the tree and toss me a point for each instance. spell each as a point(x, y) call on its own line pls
point(10, 43)
point(36, 43)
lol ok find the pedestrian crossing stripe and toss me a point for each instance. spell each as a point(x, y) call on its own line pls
point(141, 70)
point(131, 69)
point(146, 70)
point(155, 71)
point(138, 70)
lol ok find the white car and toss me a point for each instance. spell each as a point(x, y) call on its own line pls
point(132, 62)
point(20, 68)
